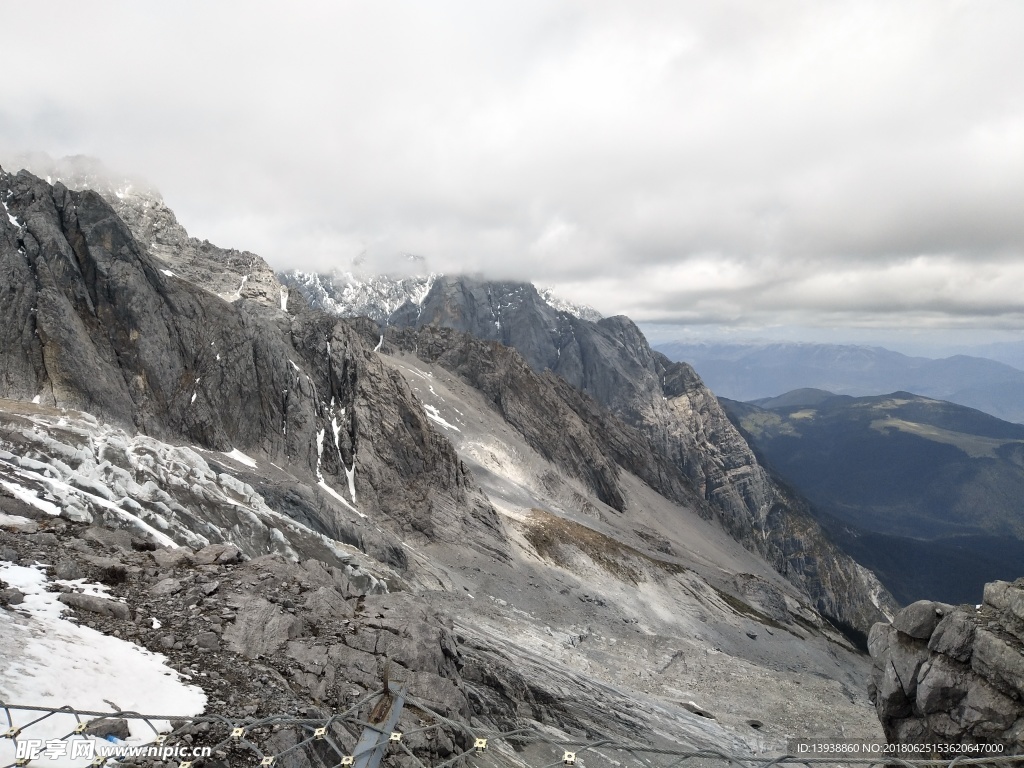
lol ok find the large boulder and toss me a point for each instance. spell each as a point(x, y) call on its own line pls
point(100, 605)
point(921, 618)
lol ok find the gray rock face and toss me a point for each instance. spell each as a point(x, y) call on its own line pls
point(90, 321)
point(67, 569)
point(230, 274)
point(920, 619)
point(262, 628)
point(998, 594)
point(665, 420)
point(11, 596)
point(218, 554)
point(165, 587)
point(952, 675)
point(954, 636)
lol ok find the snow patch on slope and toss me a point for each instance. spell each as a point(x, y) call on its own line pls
point(875, 590)
point(27, 496)
point(50, 661)
point(87, 471)
point(334, 494)
point(435, 416)
point(10, 218)
point(582, 311)
point(240, 457)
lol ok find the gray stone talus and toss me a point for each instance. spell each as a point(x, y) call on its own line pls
point(953, 675)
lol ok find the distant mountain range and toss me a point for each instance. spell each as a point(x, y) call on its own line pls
point(749, 371)
point(928, 494)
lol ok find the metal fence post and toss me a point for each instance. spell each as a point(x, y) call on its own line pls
point(374, 738)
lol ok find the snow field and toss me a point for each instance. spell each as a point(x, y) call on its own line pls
point(49, 661)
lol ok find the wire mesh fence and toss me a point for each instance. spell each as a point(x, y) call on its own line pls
point(366, 735)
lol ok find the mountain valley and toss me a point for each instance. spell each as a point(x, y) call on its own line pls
point(926, 493)
point(432, 472)
point(498, 498)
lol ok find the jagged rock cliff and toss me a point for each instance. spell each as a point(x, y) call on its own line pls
point(953, 675)
point(227, 272)
point(92, 322)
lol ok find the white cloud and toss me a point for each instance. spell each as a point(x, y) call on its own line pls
point(739, 162)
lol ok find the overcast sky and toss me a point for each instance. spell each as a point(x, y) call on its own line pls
point(723, 166)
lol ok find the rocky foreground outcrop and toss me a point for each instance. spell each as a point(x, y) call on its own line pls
point(953, 675)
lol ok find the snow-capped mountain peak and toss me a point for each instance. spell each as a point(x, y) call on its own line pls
point(582, 311)
point(354, 294)
point(349, 294)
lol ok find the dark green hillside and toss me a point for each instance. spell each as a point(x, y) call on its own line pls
point(952, 569)
point(928, 494)
point(898, 464)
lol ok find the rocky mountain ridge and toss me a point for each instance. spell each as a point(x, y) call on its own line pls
point(93, 323)
point(229, 273)
point(681, 419)
point(355, 293)
point(186, 419)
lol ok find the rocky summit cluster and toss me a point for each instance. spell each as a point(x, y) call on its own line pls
point(953, 675)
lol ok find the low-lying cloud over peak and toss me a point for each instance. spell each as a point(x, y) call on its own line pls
point(847, 163)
